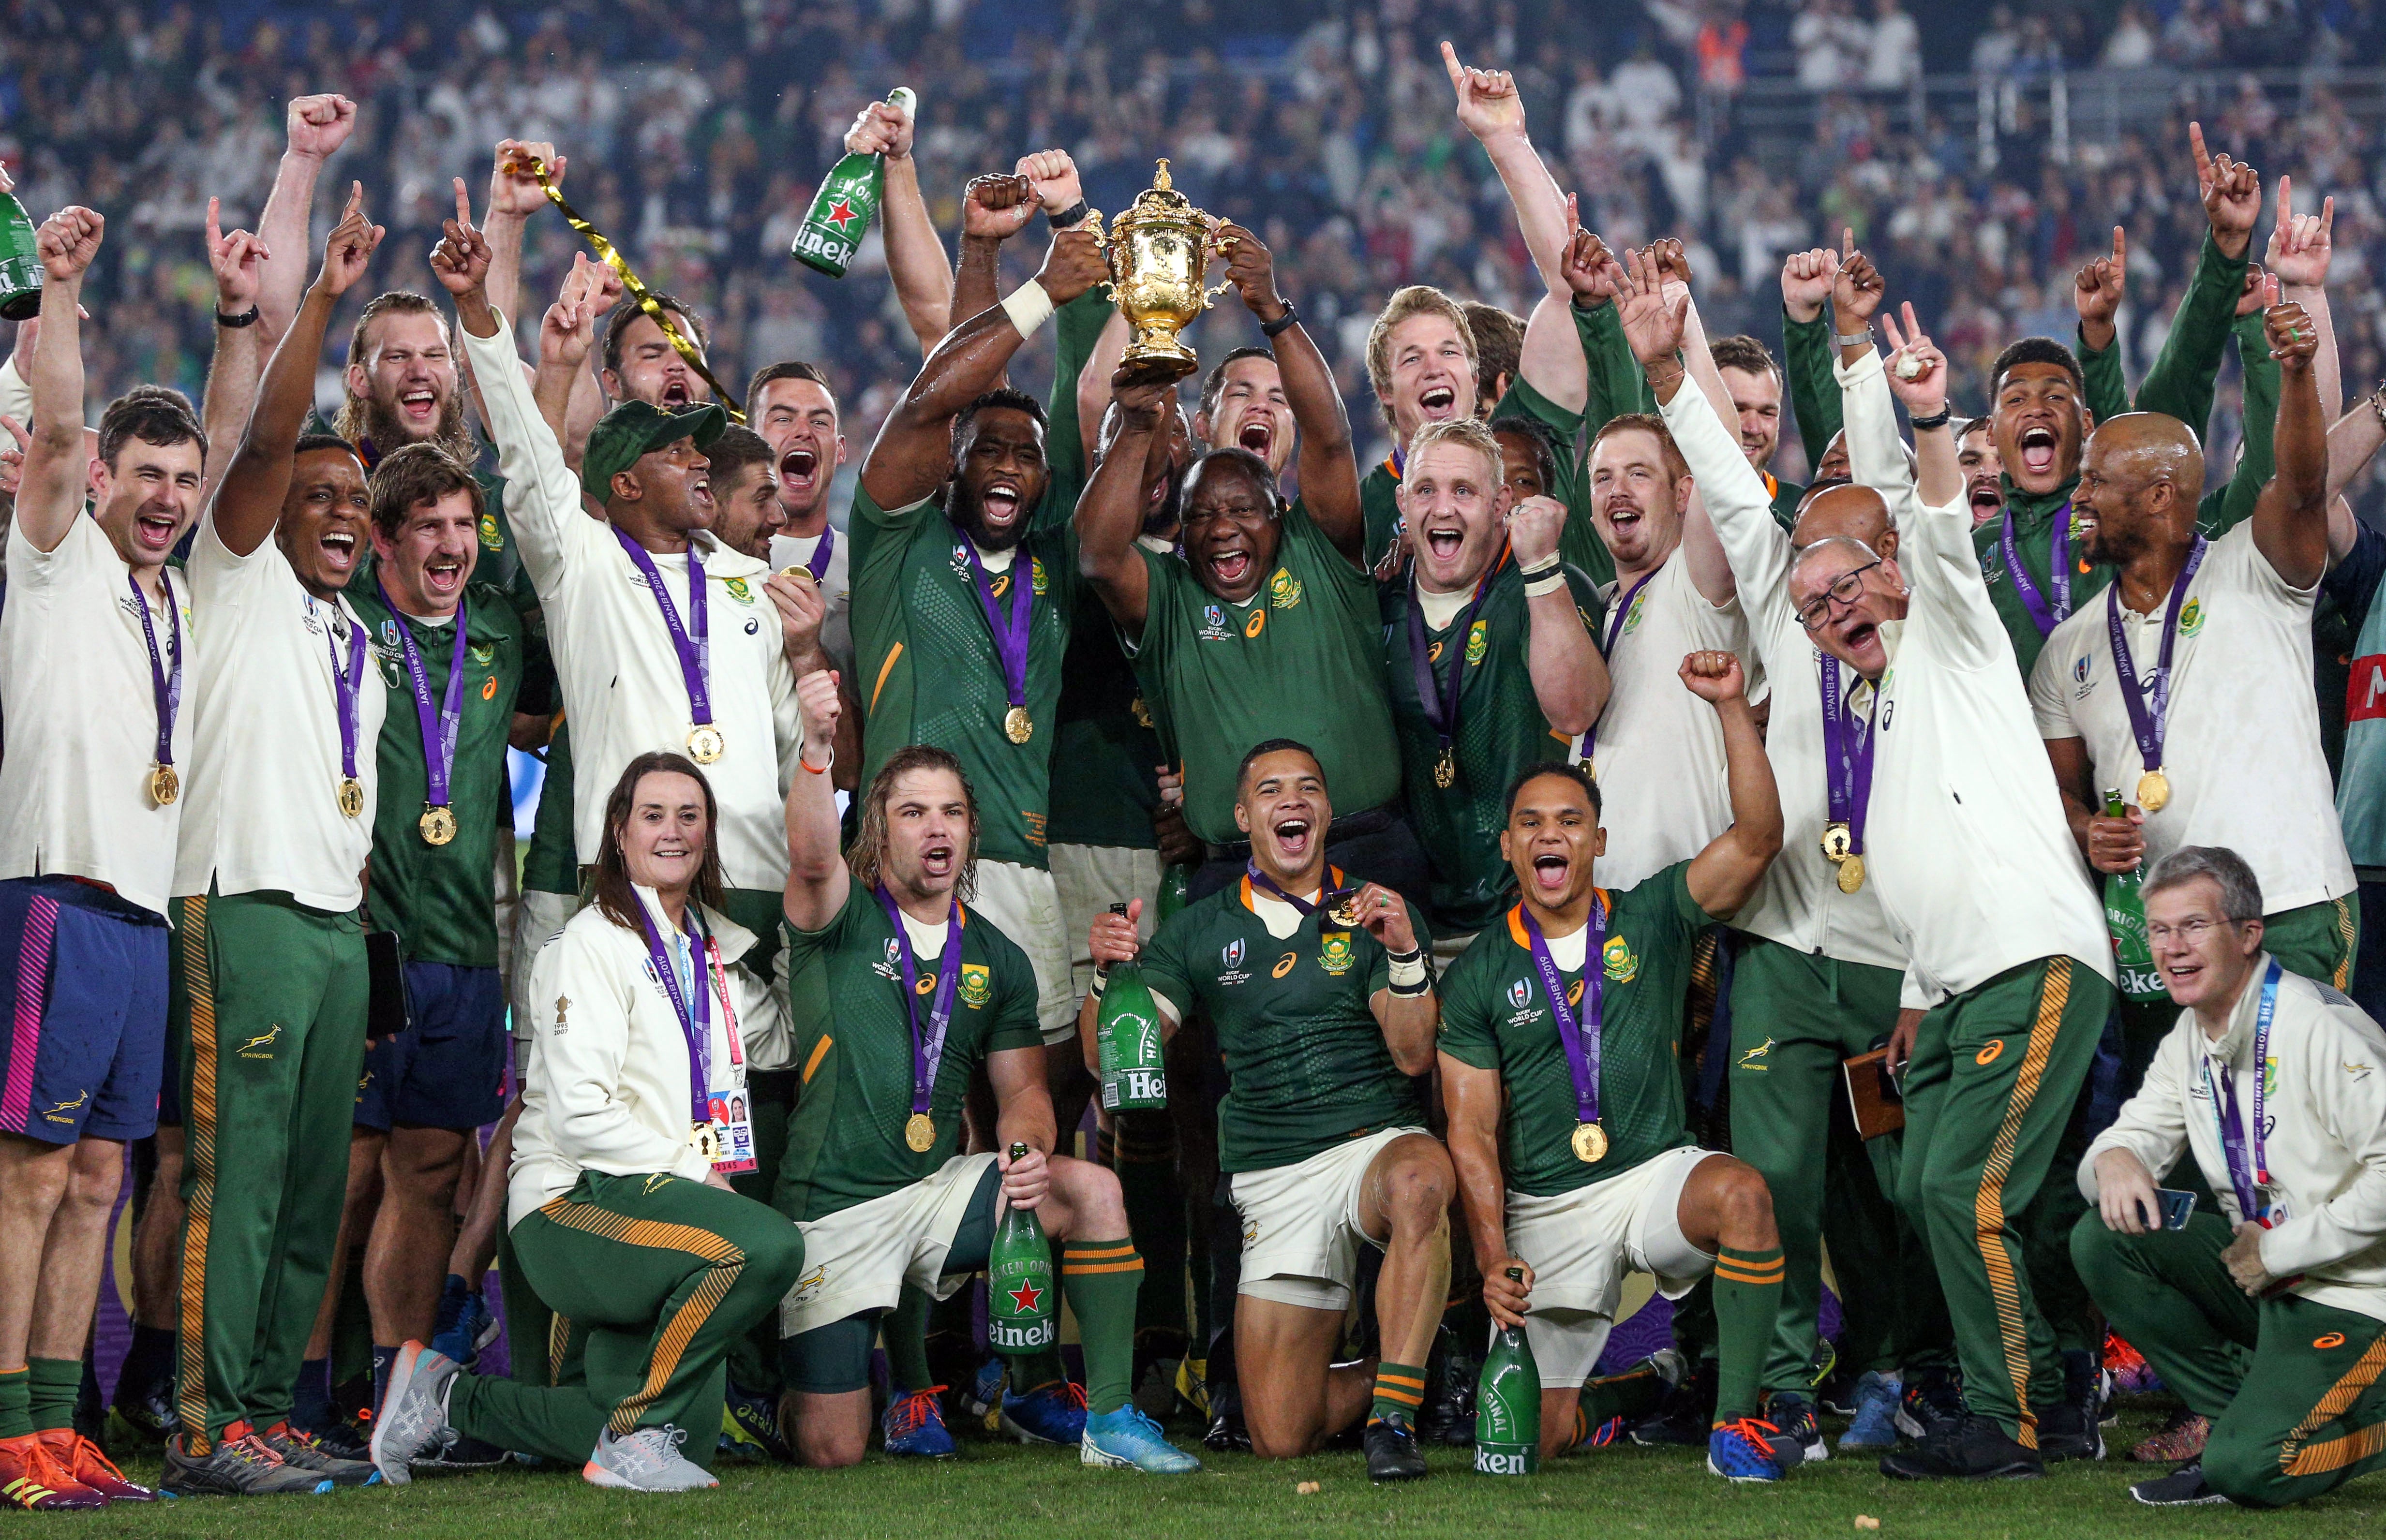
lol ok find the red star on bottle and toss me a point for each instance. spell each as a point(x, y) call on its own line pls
point(1026, 1297)
point(840, 213)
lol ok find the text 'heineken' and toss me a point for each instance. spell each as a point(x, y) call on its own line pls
point(1507, 1404)
point(2125, 916)
point(846, 202)
point(1021, 1314)
point(1126, 1035)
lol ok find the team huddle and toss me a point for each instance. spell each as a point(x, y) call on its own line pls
point(1563, 852)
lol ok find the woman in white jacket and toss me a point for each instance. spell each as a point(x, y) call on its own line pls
point(619, 1199)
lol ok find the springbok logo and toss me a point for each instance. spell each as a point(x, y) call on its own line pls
point(261, 1045)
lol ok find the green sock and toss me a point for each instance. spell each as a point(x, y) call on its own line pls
point(1399, 1391)
point(1747, 1302)
point(55, 1383)
point(16, 1402)
point(904, 1330)
point(1100, 1280)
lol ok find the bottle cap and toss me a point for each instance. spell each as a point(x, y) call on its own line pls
point(1516, 1275)
point(1018, 1150)
point(904, 100)
point(1119, 910)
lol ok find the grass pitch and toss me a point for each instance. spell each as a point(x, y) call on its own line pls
point(1006, 1492)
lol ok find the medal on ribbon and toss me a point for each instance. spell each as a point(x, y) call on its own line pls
point(1579, 1038)
point(695, 1022)
point(927, 1047)
point(165, 684)
point(346, 686)
point(1010, 632)
point(2043, 614)
point(691, 643)
point(813, 568)
point(1621, 612)
point(1438, 692)
point(1340, 903)
point(2149, 723)
point(438, 820)
point(1847, 777)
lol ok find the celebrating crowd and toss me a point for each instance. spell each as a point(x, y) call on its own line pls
point(1514, 834)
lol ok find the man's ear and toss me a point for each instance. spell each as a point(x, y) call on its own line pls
point(624, 485)
point(1242, 819)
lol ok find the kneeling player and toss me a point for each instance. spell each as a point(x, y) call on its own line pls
point(1325, 1012)
point(921, 989)
point(1559, 1039)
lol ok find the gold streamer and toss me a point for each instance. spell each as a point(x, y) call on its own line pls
point(630, 281)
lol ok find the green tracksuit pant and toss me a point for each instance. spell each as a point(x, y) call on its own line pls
point(534, 1353)
point(1794, 1018)
point(656, 1276)
point(2319, 941)
point(754, 1361)
point(2296, 1391)
point(1996, 1075)
point(268, 1008)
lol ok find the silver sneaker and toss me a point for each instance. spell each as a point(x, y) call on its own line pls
point(414, 1413)
point(648, 1460)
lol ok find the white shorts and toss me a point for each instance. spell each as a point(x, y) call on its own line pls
point(1090, 878)
point(1449, 949)
point(1300, 1224)
point(1024, 906)
point(858, 1258)
point(539, 918)
point(1582, 1244)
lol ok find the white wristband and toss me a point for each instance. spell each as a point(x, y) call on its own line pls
point(1546, 565)
point(1408, 974)
point(1535, 587)
point(1028, 306)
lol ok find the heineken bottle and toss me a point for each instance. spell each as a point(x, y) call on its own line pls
point(20, 263)
point(846, 202)
point(2125, 917)
point(1176, 892)
point(1021, 1315)
point(1127, 1035)
point(1507, 1404)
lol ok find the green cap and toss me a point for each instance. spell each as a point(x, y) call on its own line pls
point(634, 429)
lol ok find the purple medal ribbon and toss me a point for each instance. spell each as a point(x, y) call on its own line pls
point(2058, 571)
point(928, 1047)
point(346, 683)
point(695, 657)
point(1847, 756)
point(1581, 1046)
point(696, 1025)
point(164, 684)
point(2147, 724)
point(1010, 634)
point(1301, 906)
point(2247, 1175)
point(817, 563)
point(439, 732)
point(1615, 619)
point(1441, 700)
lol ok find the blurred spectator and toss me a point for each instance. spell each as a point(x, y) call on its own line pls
point(1894, 60)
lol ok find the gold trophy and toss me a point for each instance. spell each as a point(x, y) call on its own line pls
point(1158, 250)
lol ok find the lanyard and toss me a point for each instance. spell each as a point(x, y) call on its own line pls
point(1300, 906)
point(928, 1047)
point(1579, 1039)
point(346, 686)
point(694, 652)
point(696, 1024)
point(2247, 1173)
point(817, 563)
point(439, 731)
point(2058, 571)
point(1615, 619)
point(1439, 693)
point(2148, 723)
point(1010, 632)
point(1847, 756)
point(165, 684)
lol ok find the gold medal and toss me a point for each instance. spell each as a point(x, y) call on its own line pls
point(1445, 770)
point(352, 797)
point(801, 573)
point(1017, 725)
point(1589, 1143)
point(705, 744)
point(2154, 791)
point(1837, 843)
point(1343, 911)
point(1851, 874)
point(164, 785)
point(437, 823)
point(706, 1139)
point(920, 1133)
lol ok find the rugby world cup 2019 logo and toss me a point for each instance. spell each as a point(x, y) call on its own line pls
point(1519, 992)
point(1230, 963)
point(1214, 623)
point(890, 966)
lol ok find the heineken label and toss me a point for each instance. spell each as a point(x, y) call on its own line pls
point(1019, 1317)
point(1506, 1459)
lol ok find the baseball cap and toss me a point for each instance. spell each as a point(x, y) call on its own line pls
point(634, 429)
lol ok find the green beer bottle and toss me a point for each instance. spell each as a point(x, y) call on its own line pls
point(1021, 1314)
point(846, 202)
point(1507, 1404)
point(20, 263)
point(2125, 917)
point(1176, 892)
point(1127, 1035)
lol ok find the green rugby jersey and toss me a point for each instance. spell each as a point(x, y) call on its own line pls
point(844, 1143)
point(438, 898)
point(1495, 1015)
point(1106, 749)
point(1500, 730)
point(1299, 659)
point(1307, 1066)
point(551, 865)
point(929, 672)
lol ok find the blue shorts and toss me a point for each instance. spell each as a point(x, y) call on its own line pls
point(84, 1044)
point(448, 1070)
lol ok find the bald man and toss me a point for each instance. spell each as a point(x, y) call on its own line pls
point(1818, 971)
point(2227, 752)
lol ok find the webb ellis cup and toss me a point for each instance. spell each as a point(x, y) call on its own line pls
point(1158, 251)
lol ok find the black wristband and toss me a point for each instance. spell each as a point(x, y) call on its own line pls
point(1276, 327)
point(247, 320)
point(1424, 986)
point(1924, 424)
point(1414, 954)
point(1071, 217)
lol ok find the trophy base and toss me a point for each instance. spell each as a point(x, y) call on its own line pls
point(1157, 363)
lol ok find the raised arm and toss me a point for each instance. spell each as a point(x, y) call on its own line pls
point(1723, 875)
point(1094, 379)
point(2301, 248)
point(248, 501)
point(914, 454)
point(237, 260)
point(1655, 315)
point(915, 257)
point(994, 208)
point(1807, 279)
point(1329, 473)
point(2290, 516)
point(1493, 111)
point(514, 197)
point(1110, 511)
point(1938, 475)
point(2182, 379)
point(49, 492)
point(818, 883)
point(317, 127)
point(2097, 291)
point(1570, 682)
point(1471, 1100)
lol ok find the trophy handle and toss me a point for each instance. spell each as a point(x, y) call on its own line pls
point(1209, 296)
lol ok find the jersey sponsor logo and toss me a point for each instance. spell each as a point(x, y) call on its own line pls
point(1284, 589)
point(1433, 654)
point(261, 1045)
point(1479, 642)
point(58, 1113)
point(2190, 619)
point(1888, 711)
point(2358, 1071)
point(1253, 627)
point(738, 590)
point(1284, 965)
point(924, 985)
point(753, 626)
point(1618, 961)
point(489, 535)
point(489, 688)
point(1989, 1055)
point(977, 985)
point(1748, 1061)
point(1333, 953)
